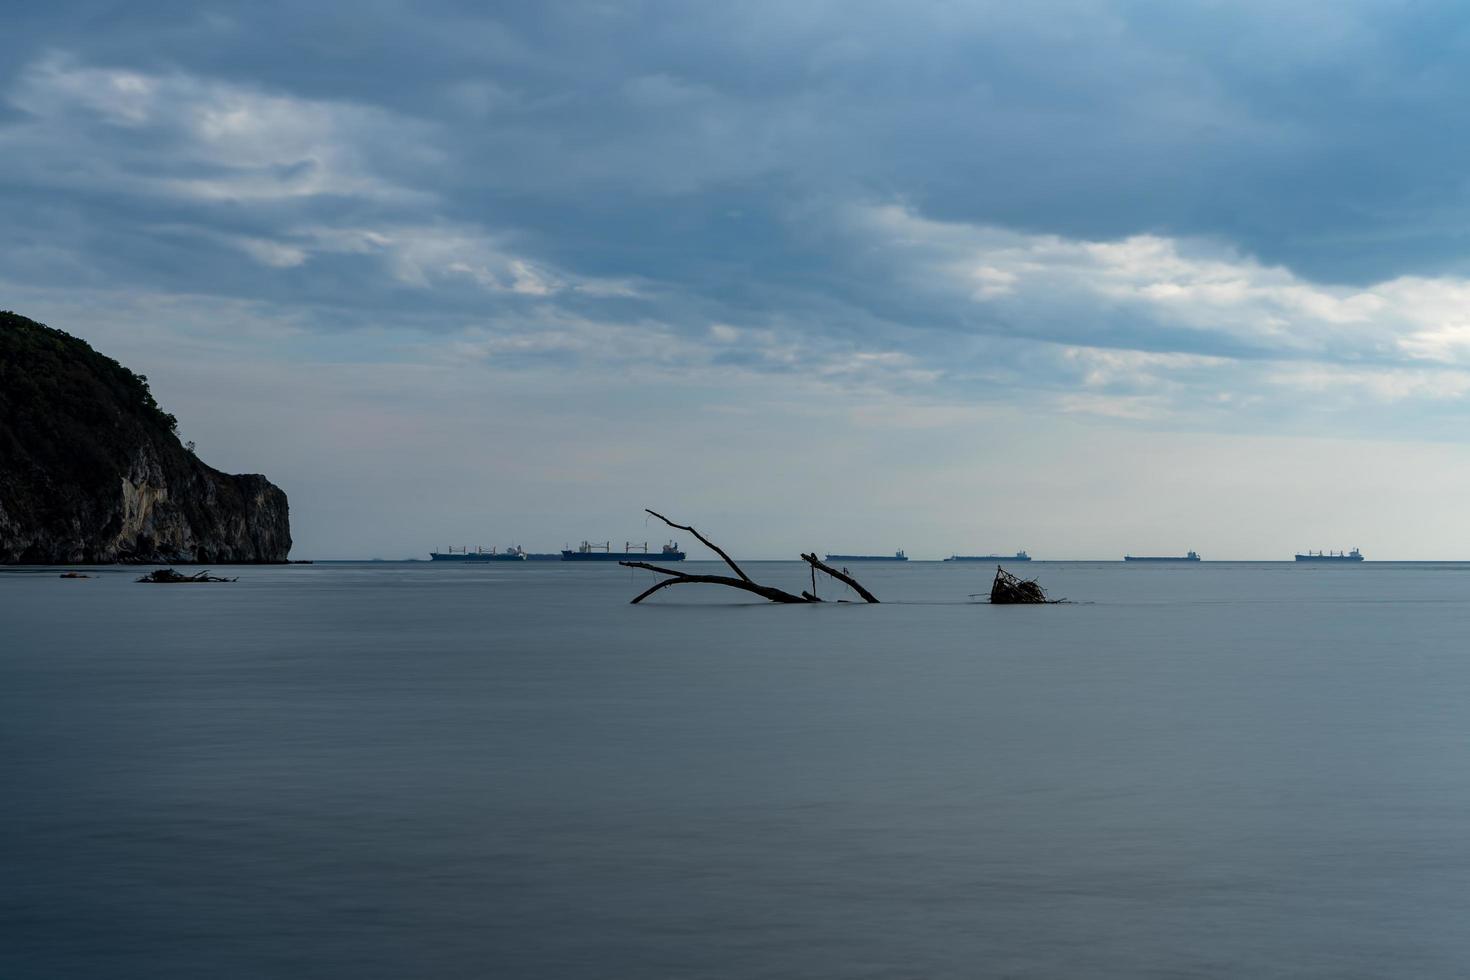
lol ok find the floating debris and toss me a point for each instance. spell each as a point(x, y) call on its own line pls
point(73, 575)
point(167, 576)
point(1008, 589)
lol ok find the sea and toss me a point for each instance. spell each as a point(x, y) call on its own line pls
point(401, 770)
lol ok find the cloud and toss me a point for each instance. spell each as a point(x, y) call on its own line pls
point(1159, 306)
point(1345, 384)
point(1109, 214)
point(179, 135)
point(195, 144)
point(1133, 327)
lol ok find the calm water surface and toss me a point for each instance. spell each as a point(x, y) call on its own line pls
point(415, 771)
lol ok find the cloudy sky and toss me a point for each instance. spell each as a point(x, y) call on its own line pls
point(1082, 278)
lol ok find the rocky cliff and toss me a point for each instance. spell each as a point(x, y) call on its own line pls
point(92, 470)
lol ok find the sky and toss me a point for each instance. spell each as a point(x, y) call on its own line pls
point(1083, 278)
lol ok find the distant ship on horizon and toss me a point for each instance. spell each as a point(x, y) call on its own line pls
point(584, 552)
point(478, 555)
point(1018, 556)
point(1192, 556)
point(603, 552)
point(896, 556)
point(1354, 555)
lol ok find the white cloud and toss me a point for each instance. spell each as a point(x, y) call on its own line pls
point(1110, 367)
point(1187, 288)
point(429, 255)
point(271, 253)
point(206, 139)
point(1162, 316)
point(1136, 408)
point(664, 350)
point(1381, 384)
point(723, 333)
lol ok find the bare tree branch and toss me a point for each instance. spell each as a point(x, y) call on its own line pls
point(744, 582)
point(655, 568)
point(704, 541)
point(817, 563)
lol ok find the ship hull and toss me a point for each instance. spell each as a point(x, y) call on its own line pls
point(621, 556)
point(866, 558)
point(988, 558)
point(473, 558)
point(1337, 559)
point(1158, 559)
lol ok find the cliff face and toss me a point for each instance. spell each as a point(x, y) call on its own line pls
point(91, 469)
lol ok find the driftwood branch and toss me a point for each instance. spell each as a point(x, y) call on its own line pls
point(706, 542)
point(654, 568)
point(167, 576)
point(843, 577)
point(681, 578)
point(744, 582)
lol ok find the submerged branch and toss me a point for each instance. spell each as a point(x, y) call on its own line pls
point(681, 578)
point(167, 576)
point(745, 583)
point(818, 564)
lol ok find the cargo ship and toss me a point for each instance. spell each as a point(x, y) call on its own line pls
point(896, 556)
point(1018, 556)
point(603, 552)
point(1192, 556)
point(479, 554)
point(1354, 555)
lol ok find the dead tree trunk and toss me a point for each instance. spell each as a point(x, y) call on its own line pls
point(743, 581)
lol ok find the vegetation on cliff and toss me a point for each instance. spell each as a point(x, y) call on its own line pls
point(91, 468)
